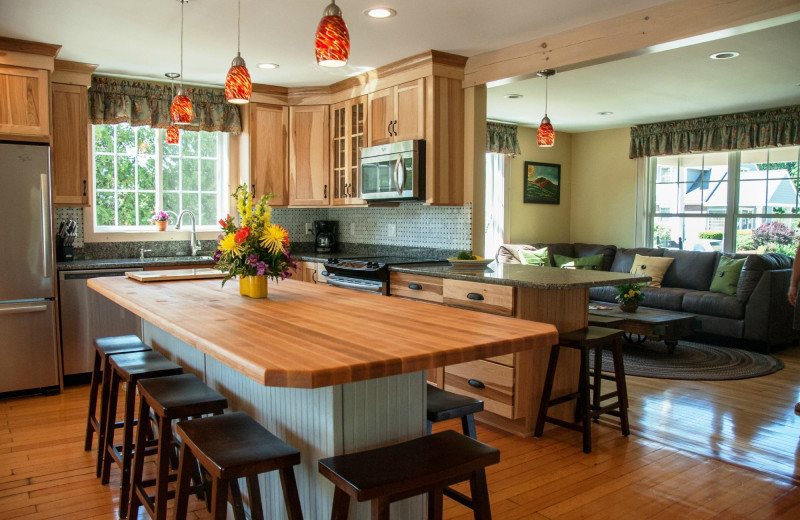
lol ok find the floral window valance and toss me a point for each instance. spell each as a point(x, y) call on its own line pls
point(116, 100)
point(742, 131)
point(502, 138)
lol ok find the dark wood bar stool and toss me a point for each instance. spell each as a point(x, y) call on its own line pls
point(605, 321)
point(229, 447)
point(423, 465)
point(442, 406)
point(101, 379)
point(171, 397)
point(129, 369)
point(585, 339)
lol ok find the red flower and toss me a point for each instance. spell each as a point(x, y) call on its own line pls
point(242, 235)
point(223, 223)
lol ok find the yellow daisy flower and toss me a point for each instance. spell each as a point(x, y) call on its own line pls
point(229, 246)
point(275, 238)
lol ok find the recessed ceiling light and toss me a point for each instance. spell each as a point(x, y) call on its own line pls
point(512, 96)
point(726, 55)
point(604, 113)
point(268, 66)
point(380, 12)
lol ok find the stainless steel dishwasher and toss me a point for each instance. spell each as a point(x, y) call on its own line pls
point(85, 315)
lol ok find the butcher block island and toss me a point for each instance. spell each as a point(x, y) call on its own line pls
point(328, 370)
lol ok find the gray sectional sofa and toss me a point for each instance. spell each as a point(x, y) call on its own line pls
point(758, 317)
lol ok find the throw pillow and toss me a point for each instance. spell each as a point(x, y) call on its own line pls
point(652, 266)
point(726, 277)
point(537, 257)
point(591, 263)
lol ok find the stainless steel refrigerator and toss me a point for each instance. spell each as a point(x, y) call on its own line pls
point(28, 349)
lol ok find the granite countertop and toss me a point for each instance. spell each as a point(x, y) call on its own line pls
point(526, 275)
point(121, 263)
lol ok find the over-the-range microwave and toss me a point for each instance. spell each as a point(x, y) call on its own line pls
point(393, 172)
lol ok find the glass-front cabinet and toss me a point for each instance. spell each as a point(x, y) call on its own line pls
point(348, 132)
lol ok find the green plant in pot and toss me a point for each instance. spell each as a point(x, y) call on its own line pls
point(629, 295)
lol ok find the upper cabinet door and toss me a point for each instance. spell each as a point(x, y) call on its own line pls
point(381, 116)
point(410, 111)
point(308, 156)
point(24, 104)
point(69, 153)
point(269, 151)
point(348, 132)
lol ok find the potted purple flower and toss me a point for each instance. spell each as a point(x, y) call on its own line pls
point(160, 219)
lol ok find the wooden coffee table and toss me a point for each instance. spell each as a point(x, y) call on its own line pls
point(658, 324)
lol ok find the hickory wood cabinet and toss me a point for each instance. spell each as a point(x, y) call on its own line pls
point(69, 153)
point(397, 113)
point(313, 272)
point(308, 156)
point(348, 136)
point(269, 151)
point(24, 104)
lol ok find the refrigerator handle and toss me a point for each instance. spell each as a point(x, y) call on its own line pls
point(22, 307)
point(45, 184)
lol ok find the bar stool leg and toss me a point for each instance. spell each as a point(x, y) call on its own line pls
point(548, 388)
point(219, 499)
point(341, 505)
point(380, 509)
point(91, 427)
point(622, 387)
point(468, 426)
point(435, 504)
point(187, 462)
point(480, 495)
point(138, 458)
point(127, 451)
point(108, 444)
point(597, 386)
point(291, 497)
point(584, 402)
point(105, 399)
point(254, 490)
point(236, 498)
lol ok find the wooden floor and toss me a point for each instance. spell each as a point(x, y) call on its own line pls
point(698, 450)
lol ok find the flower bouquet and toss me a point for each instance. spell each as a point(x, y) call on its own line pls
point(256, 249)
point(629, 295)
point(160, 219)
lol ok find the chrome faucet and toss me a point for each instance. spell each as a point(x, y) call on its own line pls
point(194, 244)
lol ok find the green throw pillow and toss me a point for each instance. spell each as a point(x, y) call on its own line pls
point(726, 278)
point(537, 257)
point(591, 263)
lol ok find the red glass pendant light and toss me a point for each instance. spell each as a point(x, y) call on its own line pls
point(238, 84)
point(546, 136)
point(173, 136)
point(333, 41)
point(181, 109)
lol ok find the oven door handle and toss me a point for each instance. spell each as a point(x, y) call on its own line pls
point(338, 282)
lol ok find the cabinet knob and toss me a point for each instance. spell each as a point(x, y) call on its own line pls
point(415, 287)
point(475, 296)
point(476, 383)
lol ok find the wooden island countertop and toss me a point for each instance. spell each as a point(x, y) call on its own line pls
point(307, 336)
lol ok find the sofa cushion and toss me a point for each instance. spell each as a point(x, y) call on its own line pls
point(668, 298)
point(608, 252)
point(726, 276)
point(603, 294)
point(534, 257)
point(589, 263)
point(560, 249)
point(691, 269)
point(753, 266)
point(623, 260)
point(713, 304)
point(509, 253)
point(653, 266)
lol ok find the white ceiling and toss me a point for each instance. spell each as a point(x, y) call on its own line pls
point(142, 39)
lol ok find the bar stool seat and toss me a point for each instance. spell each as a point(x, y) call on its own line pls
point(101, 380)
point(234, 446)
point(605, 321)
point(424, 465)
point(586, 339)
point(442, 406)
point(129, 368)
point(171, 397)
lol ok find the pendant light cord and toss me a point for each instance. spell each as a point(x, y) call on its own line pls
point(545, 95)
point(182, 2)
point(239, 30)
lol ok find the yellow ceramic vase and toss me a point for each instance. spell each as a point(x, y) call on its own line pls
point(253, 286)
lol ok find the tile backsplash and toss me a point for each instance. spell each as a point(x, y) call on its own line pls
point(414, 224)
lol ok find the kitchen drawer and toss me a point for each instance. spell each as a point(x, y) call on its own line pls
point(428, 288)
point(497, 299)
point(491, 382)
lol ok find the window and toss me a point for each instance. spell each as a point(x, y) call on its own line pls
point(136, 172)
point(734, 201)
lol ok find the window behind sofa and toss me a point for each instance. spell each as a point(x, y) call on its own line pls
point(727, 201)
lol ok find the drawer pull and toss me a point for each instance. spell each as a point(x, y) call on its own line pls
point(475, 296)
point(476, 383)
point(415, 287)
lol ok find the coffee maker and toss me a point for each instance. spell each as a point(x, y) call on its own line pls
point(325, 236)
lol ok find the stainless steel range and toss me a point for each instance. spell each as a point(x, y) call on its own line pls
point(368, 274)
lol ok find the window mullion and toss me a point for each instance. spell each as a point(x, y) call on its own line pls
point(732, 213)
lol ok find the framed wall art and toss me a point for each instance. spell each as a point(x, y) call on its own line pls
point(542, 183)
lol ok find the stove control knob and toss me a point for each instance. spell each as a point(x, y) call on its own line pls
point(333, 260)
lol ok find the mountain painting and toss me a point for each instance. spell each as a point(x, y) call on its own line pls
point(542, 183)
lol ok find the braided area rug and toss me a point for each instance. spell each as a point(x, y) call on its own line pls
point(692, 361)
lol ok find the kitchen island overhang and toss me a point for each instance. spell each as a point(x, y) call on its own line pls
point(328, 370)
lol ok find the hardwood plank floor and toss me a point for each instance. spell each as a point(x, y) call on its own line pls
point(705, 450)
